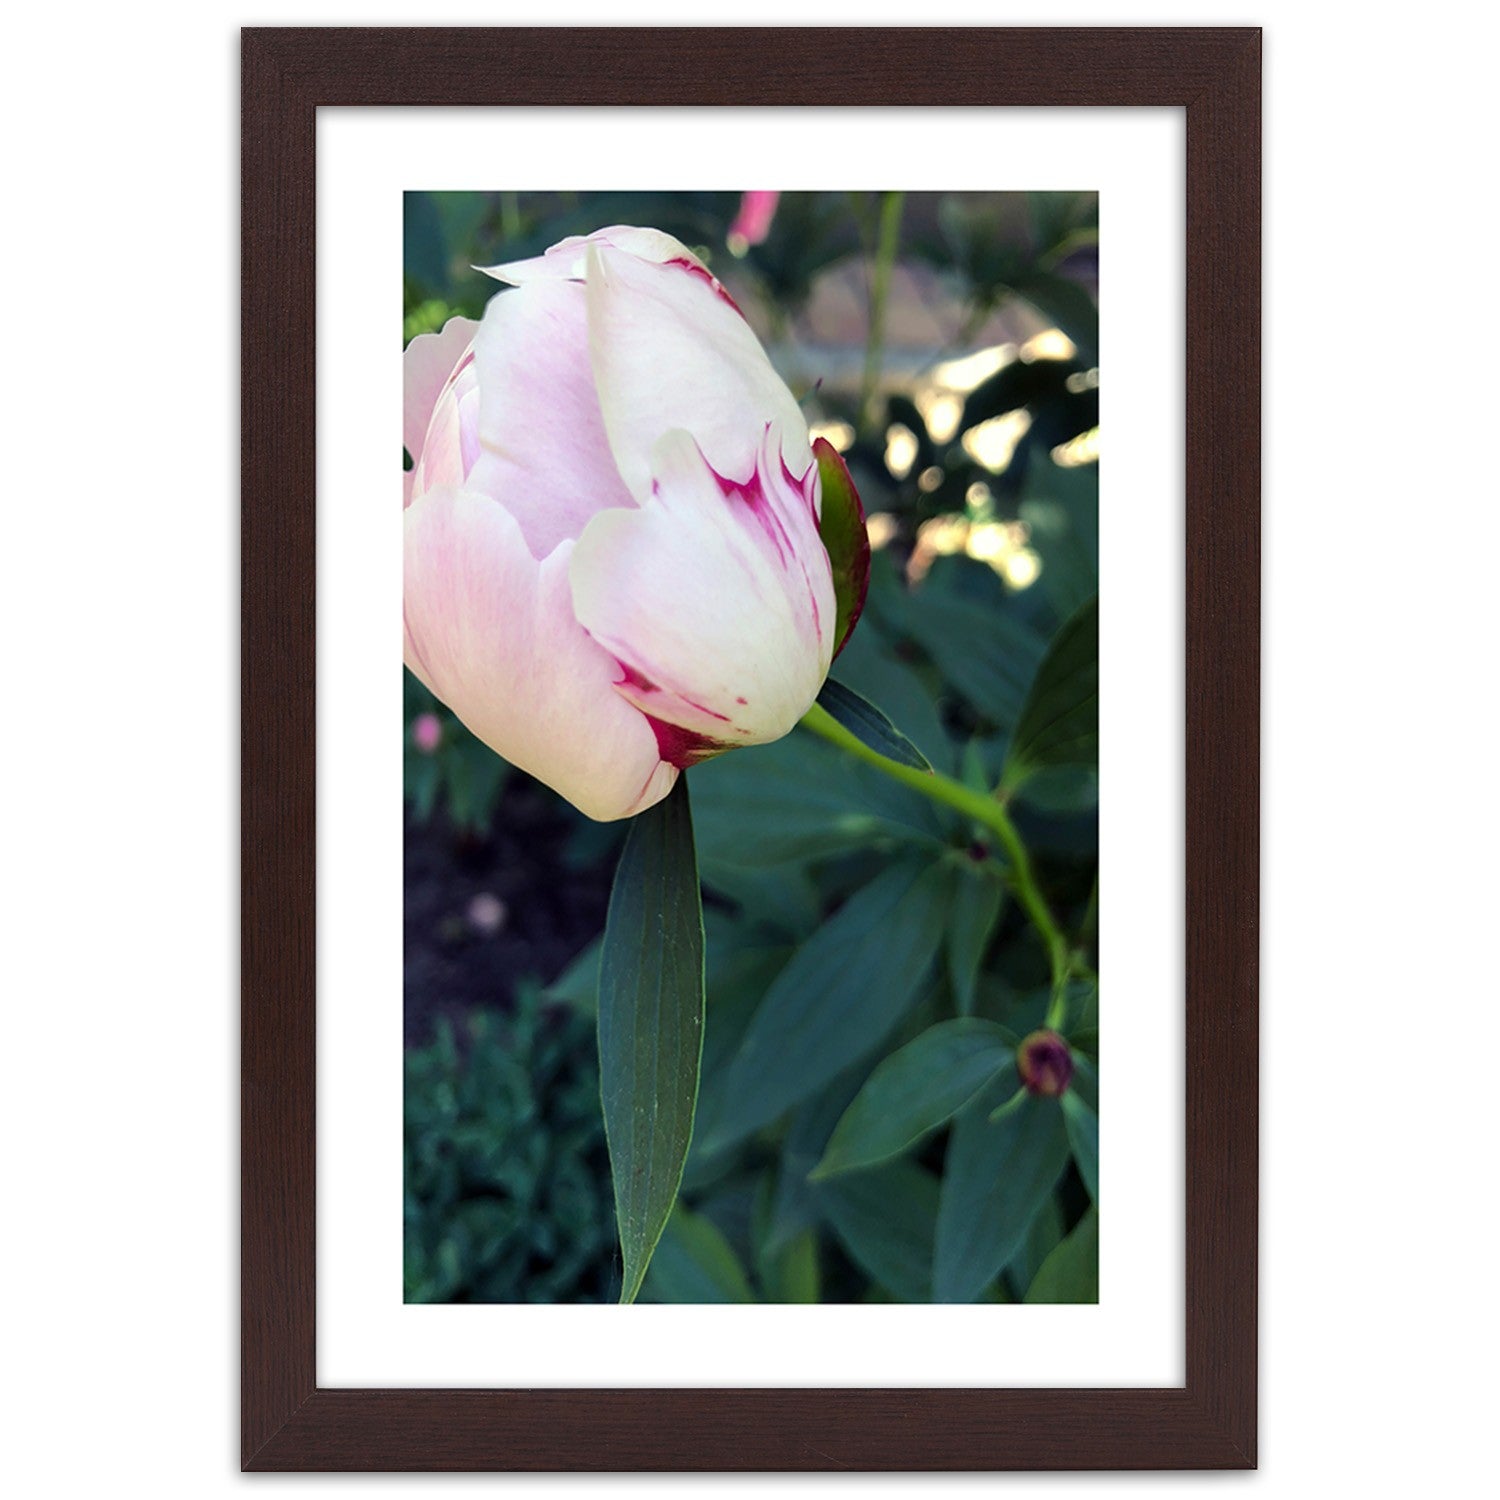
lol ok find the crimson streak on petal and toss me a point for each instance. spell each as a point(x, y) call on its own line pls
point(685, 747)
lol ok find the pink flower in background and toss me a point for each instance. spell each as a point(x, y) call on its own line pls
point(427, 733)
point(753, 221)
point(613, 565)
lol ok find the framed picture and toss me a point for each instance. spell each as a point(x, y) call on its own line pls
point(753, 412)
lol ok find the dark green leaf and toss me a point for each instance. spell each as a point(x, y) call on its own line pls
point(987, 656)
point(783, 898)
point(1042, 1238)
point(1071, 1272)
point(1061, 511)
point(1083, 1136)
point(793, 1206)
point(875, 672)
point(915, 1090)
point(885, 1220)
point(1060, 723)
point(792, 1275)
point(841, 994)
point(695, 1264)
point(651, 1023)
point(578, 984)
point(866, 722)
point(995, 1180)
point(799, 799)
point(971, 922)
point(842, 527)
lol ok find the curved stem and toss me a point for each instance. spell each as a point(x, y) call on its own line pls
point(984, 810)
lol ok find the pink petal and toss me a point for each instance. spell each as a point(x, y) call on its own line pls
point(568, 258)
point(452, 442)
point(491, 631)
point(716, 598)
point(425, 367)
point(670, 353)
point(543, 453)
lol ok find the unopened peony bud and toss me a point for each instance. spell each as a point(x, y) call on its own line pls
point(1045, 1064)
point(614, 567)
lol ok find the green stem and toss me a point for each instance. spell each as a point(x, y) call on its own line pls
point(983, 809)
point(888, 238)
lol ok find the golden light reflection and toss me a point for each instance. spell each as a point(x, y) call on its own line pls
point(1022, 569)
point(993, 443)
point(840, 434)
point(1051, 343)
point(941, 411)
point(1000, 545)
point(881, 527)
point(900, 449)
point(966, 373)
point(1078, 451)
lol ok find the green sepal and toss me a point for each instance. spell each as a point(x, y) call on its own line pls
point(842, 527)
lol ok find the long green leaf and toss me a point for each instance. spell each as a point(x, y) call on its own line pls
point(792, 1274)
point(977, 900)
point(794, 1206)
point(995, 1180)
point(800, 799)
point(651, 1024)
point(1059, 724)
point(1071, 1272)
point(986, 654)
point(1041, 1239)
point(837, 999)
point(885, 1220)
point(866, 722)
point(1083, 1137)
point(915, 1090)
point(874, 671)
point(694, 1263)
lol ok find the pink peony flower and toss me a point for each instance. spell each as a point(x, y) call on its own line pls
point(613, 565)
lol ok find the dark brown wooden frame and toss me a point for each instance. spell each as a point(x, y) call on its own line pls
point(288, 1421)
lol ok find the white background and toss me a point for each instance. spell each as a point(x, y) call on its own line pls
point(119, 564)
point(1134, 1335)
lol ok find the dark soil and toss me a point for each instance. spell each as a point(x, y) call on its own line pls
point(463, 954)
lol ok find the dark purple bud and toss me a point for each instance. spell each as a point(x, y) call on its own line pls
point(1045, 1064)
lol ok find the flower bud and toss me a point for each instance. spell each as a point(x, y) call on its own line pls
point(1045, 1064)
point(614, 559)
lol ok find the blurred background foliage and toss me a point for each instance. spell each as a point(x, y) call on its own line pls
point(947, 344)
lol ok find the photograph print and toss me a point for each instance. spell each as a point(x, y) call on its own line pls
point(750, 639)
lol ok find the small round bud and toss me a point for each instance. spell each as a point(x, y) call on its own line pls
point(427, 733)
point(1045, 1064)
